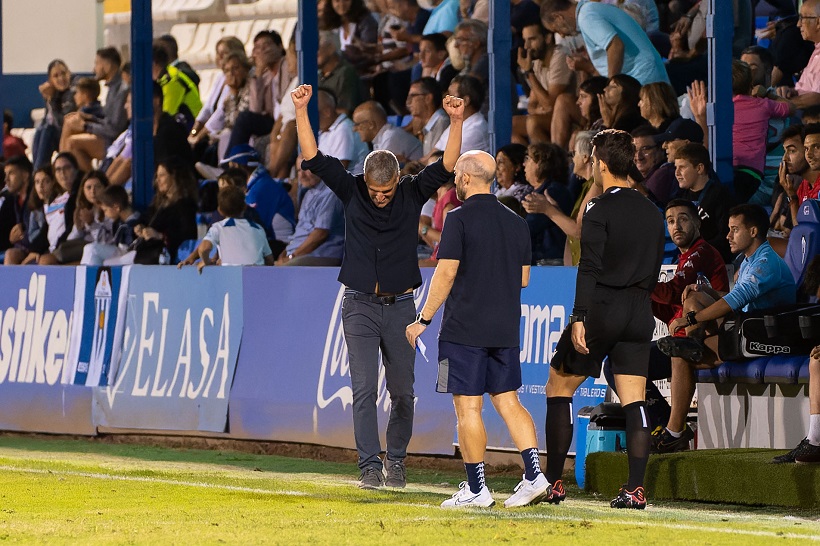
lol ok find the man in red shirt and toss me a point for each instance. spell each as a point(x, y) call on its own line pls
point(809, 187)
point(12, 145)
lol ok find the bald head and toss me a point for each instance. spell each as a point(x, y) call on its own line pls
point(479, 165)
point(368, 119)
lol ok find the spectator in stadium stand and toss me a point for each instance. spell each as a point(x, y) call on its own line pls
point(87, 97)
point(680, 132)
point(237, 240)
point(12, 145)
point(267, 87)
point(69, 177)
point(370, 122)
point(650, 159)
point(446, 200)
point(792, 171)
point(522, 14)
point(336, 134)
point(697, 182)
point(46, 197)
point(404, 27)
point(546, 168)
point(806, 92)
point(763, 281)
point(808, 450)
point(356, 27)
point(319, 237)
point(13, 205)
point(379, 292)
point(659, 105)
point(59, 101)
point(429, 119)
point(615, 43)
point(115, 204)
point(510, 180)
point(475, 9)
point(543, 64)
point(88, 138)
point(336, 74)
point(443, 16)
point(619, 107)
point(170, 44)
point(583, 112)
point(180, 95)
point(570, 223)
point(282, 148)
point(235, 100)
point(225, 45)
point(810, 188)
point(264, 194)
point(761, 63)
point(476, 136)
point(471, 41)
point(434, 60)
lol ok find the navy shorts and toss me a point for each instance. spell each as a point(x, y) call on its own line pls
point(473, 371)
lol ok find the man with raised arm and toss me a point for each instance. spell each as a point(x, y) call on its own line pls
point(380, 271)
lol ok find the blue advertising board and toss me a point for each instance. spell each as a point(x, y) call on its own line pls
point(180, 347)
point(292, 381)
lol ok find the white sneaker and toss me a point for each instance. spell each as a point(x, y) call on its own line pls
point(529, 492)
point(465, 498)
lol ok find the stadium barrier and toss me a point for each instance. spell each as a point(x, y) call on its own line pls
point(249, 353)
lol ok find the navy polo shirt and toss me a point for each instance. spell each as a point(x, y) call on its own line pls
point(491, 243)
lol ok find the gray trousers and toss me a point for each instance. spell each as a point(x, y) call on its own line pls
point(369, 327)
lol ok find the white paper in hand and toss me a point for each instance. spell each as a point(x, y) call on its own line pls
point(422, 349)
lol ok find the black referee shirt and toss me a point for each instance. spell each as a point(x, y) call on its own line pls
point(380, 243)
point(622, 238)
point(492, 243)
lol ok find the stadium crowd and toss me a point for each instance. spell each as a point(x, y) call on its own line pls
point(384, 65)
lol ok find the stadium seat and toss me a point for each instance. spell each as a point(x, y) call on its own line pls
point(207, 78)
point(203, 30)
point(186, 248)
point(709, 375)
point(206, 55)
point(241, 11)
point(804, 240)
point(747, 371)
point(288, 29)
point(803, 375)
point(184, 34)
point(783, 369)
point(263, 8)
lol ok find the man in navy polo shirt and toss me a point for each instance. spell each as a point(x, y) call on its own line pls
point(484, 261)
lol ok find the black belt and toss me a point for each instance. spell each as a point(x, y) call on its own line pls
point(374, 298)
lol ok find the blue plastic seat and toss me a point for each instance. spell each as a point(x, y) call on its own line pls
point(747, 371)
point(710, 375)
point(803, 375)
point(783, 369)
point(804, 240)
point(186, 249)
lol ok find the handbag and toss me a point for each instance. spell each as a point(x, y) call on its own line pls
point(70, 251)
point(147, 250)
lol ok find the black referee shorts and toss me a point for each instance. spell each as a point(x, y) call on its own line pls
point(619, 324)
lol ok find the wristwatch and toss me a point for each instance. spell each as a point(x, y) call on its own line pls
point(577, 318)
point(421, 320)
point(690, 318)
point(424, 229)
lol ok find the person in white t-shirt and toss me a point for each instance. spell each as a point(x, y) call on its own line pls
point(476, 134)
point(237, 240)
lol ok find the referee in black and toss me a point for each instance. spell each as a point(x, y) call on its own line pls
point(622, 238)
point(380, 270)
point(484, 261)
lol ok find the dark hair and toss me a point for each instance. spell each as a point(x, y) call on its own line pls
point(542, 30)
point(231, 201)
point(170, 44)
point(54, 63)
point(696, 154)
point(110, 54)
point(753, 216)
point(549, 7)
point(470, 87)
point(793, 131)
point(761, 53)
point(184, 183)
point(8, 119)
point(331, 20)
point(644, 130)
point(684, 203)
point(81, 202)
point(159, 55)
point(811, 129)
point(113, 196)
point(615, 148)
point(516, 153)
point(126, 67)
point(431, 86)
point(630, 95)
point(156, 91)
point(437, 39)
point(594, 86)
point(234, 177)
point(90, 86)
point(741, 78)
point(812, 111)
point(552, 164)
point(271, 35)
point(21, 162)
point(68, 156)
point(34, 201)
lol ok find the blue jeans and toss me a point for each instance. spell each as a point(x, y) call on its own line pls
point(46, 142)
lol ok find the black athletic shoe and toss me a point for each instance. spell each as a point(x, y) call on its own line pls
point(663, 442)
point(810, 455)
point(396, 474)
point(558, 493)
point(789, 457)
point(686, 348)
point(630, 499)
point(371, 478)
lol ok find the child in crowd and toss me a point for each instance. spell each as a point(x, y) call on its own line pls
point(115, 206)
point(47, 208)
point(87, 97)
point(750, 130)
point(239, 241)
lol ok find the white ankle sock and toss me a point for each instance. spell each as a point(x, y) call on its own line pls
point(677, 434)
point(814, 429)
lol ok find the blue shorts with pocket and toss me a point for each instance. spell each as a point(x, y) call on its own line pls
point(473, 371)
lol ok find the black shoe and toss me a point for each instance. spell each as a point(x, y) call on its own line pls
point(663, 442)
point(686, 348)
point(371, 478)
point(558, 493)
point(396, 474)
point(630, 499)
point(810, 455)
point(789, 457)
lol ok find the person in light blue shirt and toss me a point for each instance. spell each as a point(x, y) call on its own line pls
point(443, 18)
point(615, 43)
point(763, 281)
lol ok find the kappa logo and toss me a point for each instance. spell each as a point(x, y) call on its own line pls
point(334, 374)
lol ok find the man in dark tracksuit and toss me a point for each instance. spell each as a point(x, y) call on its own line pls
point(622, 239)
point(379, 271)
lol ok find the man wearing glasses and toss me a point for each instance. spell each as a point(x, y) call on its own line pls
point(650, 159)
point(806, 91)
point(429, 119)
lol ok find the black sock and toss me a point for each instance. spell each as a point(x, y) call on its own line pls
point(532, 463)
point(475, 476)
point(637, 442)
point(559, 435)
